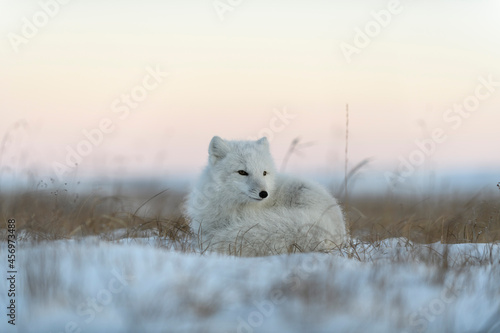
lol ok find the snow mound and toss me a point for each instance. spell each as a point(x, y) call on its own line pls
point(91, 285)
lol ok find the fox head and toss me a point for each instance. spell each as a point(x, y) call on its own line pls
point(246, 168)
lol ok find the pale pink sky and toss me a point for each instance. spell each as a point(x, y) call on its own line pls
point(229, 78)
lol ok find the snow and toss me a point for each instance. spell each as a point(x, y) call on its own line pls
point(142, 285)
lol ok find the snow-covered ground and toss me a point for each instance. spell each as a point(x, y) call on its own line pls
point(138, 285)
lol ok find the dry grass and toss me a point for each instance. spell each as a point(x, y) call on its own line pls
point(51, 215)
point(58, 214)
point(473, 219)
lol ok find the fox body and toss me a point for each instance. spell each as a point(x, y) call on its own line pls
point(240, 205)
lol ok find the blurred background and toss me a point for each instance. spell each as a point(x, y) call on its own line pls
point(133, 91)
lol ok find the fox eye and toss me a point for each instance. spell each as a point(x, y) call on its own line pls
point(264, 173)
point(243, 172)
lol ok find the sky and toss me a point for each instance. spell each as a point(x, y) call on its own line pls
point(138, 88)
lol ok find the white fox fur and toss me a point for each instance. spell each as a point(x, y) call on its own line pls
point(241, 205)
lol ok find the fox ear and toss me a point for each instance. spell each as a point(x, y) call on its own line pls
point(263, 142)
point(218, 149)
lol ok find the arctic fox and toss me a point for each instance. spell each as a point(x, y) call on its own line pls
point(241, 205)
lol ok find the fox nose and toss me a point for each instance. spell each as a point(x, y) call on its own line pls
point(263, 194)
